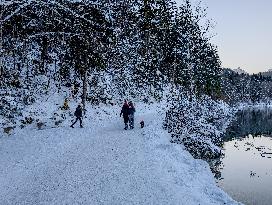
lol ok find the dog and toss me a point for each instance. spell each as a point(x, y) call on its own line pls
point(142, 124)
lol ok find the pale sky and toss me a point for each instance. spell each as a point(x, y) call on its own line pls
point(243, 32)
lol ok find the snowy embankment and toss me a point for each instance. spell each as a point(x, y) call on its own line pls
point(104, 164)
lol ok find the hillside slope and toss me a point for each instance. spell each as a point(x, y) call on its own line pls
point(104, 164)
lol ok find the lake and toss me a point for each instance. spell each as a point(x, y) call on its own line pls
point(245, 170)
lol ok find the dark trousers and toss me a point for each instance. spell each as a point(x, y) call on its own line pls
point(125, 121)
point(131, 121)
point(80, 121)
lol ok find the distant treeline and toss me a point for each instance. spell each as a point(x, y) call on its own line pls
point(246, 88)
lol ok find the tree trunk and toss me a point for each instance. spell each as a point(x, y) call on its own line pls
point(84, 94)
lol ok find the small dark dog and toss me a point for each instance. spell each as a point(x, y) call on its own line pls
point(142, 124)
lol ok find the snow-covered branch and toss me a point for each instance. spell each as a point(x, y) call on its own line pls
point(22, 6)
point(55, 33)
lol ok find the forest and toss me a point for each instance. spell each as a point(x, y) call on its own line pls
point(103, 51)
point(139, 46)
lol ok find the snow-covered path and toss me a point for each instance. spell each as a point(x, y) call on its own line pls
point(103, 164)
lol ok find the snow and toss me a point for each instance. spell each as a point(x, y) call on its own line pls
point(255, 106)
point(104, 164)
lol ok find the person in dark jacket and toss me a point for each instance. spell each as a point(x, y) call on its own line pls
point(124, 112)
point(78, 114)
point(131, 111)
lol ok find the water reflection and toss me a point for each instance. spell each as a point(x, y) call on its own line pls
point(251, 121)
point(245, 170)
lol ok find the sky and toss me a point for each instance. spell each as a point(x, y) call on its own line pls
point(243, 32)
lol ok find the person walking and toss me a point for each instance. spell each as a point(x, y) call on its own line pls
point(124, 112)
point(78, 114)
point(131, 111)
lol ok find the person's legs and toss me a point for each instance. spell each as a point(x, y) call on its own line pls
point(126, 122)
point(132, 122)
point(129, 120)
point(80, 121)
point(74, 123)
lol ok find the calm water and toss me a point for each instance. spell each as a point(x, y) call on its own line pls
point(245, 171)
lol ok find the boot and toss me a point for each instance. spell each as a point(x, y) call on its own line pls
point(126, 126)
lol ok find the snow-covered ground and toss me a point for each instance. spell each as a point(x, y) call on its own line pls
point(104, 164)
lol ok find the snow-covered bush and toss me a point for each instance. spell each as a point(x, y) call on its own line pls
point(199, 124)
